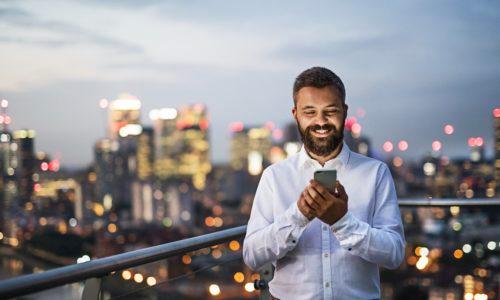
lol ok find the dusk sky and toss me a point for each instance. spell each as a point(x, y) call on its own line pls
point(413, 67)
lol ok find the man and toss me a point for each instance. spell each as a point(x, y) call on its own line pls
point(324, 244)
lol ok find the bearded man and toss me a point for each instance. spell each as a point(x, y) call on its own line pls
point(324, 244)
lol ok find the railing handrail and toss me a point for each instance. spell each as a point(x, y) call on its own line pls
point(27, 284)
point(437, 202)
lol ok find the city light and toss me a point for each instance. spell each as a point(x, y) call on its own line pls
point(239, 277)
point(448, 129)
point(458, 254)
point(166, 113)
point(151, 281)
point(388, 146)
point(186, 259)
point(1, 236)
point(138, 277)
point(496, 112)
point(127, 275)
point(130, 129)
point(214, 290)
point(467, 248)
point(126, 102)
point(4, 103)
point(422, 262)
point(234, 245)
point(84, 258)
point(112, 228)
point(491, 245)
point(103, 103)
point(403, 145)
point(475, 141)
point(249, 287)
point(236, 126)
point(436, 146)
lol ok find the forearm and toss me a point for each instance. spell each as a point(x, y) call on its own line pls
point(269, 243)
point(383, 246)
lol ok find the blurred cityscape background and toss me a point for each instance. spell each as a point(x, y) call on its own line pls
point(95, 160)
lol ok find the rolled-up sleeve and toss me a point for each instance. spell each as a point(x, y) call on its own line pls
point(384, 242)
point(270, 237)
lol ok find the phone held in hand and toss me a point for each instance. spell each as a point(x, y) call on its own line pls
point(326, 178)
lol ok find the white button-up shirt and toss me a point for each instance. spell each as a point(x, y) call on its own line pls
point(312, 259)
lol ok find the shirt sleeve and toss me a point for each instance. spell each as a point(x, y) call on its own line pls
point(270, 237)
point(384, 242)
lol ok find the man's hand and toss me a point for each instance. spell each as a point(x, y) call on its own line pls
point(327, 206)
point(304, 207)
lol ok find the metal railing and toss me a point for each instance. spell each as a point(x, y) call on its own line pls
point(93, 270)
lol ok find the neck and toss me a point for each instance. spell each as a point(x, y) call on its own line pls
point(323, 159)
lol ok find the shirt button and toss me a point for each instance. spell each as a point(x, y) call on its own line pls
point(327, 284)
point(293, 241)
point(326, 255)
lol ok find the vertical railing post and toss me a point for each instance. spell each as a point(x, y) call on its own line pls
point(92, 289)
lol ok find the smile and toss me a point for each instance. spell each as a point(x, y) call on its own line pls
point(321, 132)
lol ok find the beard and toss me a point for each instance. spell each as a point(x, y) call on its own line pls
point(325, 145)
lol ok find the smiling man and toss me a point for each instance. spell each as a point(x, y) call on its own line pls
point(324, 244)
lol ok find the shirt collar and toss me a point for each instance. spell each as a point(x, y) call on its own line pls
point(337, 162)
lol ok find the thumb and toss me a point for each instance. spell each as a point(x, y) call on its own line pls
point(341, 191)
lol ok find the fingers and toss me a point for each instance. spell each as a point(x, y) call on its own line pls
point(305, 209)
point(341, 191)
point(313, 203)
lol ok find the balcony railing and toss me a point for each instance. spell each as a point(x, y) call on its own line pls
point(92, 271)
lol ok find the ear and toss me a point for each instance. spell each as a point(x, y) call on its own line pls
point(346, 108)
point(294, 112)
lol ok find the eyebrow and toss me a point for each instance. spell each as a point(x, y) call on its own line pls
point(329, 106)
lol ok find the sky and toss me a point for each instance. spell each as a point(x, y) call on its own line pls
point(412, 67)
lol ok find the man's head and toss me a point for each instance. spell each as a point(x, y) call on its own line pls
point(320, 110)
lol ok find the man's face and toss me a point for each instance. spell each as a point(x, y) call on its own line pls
point(320, 116)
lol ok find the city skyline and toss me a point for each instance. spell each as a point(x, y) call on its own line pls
point(411, 74)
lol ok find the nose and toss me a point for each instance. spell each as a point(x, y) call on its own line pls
point(321, 120)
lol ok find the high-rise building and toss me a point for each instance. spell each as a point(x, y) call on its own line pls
point(123, 111)
point(250, 148)
point(9, 160)
point(25, 140)
point(181, 143)
point(145, 154)
point(104, 160)
point(496, 120)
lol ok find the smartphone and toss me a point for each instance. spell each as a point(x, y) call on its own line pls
point(326, 178)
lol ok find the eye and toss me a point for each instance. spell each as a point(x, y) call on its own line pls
point(309, 112)
point(331, 112)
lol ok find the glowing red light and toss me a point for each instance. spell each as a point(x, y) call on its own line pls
point(1, 119)
point(403, 145)
point(356, 128)
point(496, 112)
point(277, 134)
point(44, 166)
point(388, 147)
point(54, 165)
point(7, 120)
point(236, 126)
point(471, 142)
point(479, 141)
point(349, 122)
point(204, 124)
point(448, 129)
point(37, 187)
point(436, 146)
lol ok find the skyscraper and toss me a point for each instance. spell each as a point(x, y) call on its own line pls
point(25, 140)
point(181, 143)
point(250, 148)
point(123, 111)
point(496, 120)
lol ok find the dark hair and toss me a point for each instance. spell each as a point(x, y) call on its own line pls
point(318, 77)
